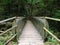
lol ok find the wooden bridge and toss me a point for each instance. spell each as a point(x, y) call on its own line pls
point(29, 32)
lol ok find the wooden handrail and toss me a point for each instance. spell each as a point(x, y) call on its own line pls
point(8, 30)
point(7, 19)
point(14, 26)
point(1, 31)
point(51, 18)
point(51, 34)
point(10, 39)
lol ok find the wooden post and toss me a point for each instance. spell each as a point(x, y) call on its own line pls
point(14, 23)
point(44, 26)
point(15, 30)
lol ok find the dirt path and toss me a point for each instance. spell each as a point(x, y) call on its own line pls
point(30, 35)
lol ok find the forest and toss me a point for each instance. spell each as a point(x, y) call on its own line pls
point(33, 8)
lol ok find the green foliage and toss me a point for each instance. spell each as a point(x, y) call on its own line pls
point(29, 7)
point(51, 8)
point(1, 43)
point(51, 40)
point(4, 1)
point(57, 14)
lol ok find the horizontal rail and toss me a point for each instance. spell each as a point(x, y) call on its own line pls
point(7, 19)
point(51, 34)
point(1, 31)
point(51, 18)
point(10, 39)
point(8, 30)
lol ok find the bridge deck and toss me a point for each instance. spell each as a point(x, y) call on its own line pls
point(30, 35)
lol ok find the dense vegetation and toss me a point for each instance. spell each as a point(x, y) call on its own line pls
point(51, 8)
point(30, 7)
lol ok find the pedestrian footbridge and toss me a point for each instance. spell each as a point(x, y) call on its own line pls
point(29, 31)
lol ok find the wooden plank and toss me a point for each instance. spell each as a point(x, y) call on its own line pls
point(8, 30)
point(10, 39)
point(7, 19)
point(51, 34)
point(30, 35)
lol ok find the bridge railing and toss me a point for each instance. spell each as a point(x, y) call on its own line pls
point(8, 42)
point(50, 18)
point(47, 30)
point(55, 37)
point(7, 19)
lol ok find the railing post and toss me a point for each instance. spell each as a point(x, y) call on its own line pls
point(15, 30)
point(9, 42)
point(14, 23)
point(44, 26)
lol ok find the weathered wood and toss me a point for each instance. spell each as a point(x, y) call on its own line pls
point(1, 31)
point(45, 25)
point(7, 19)
point(10, 39)
point(8, 30)
point(52, 18)
point(14, 23)
point(51, 34)
point(30, 35)
point(15, 29)
point(9, 42)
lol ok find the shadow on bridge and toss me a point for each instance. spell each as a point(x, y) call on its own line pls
point(19, 24)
